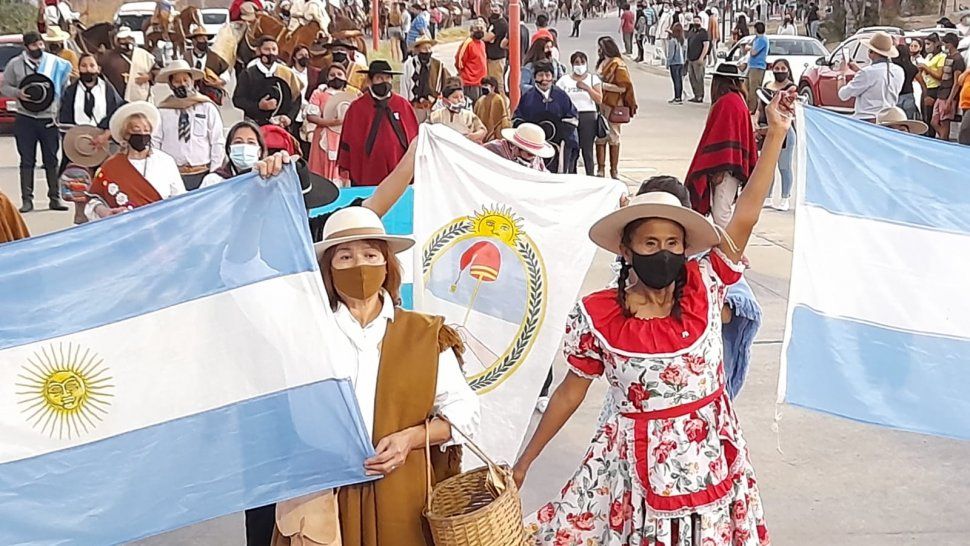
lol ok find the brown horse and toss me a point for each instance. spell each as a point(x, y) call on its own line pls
point(263, 25)
point(96, 38)
point(178, 30)
point(306, 35)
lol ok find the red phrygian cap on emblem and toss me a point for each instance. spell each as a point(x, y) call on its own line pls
point(483, 260)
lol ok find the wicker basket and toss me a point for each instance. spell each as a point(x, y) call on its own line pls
point(480, 507)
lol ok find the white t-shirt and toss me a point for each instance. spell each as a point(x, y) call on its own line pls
point(580, 98)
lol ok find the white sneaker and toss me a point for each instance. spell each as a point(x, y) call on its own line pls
point(785, 205)
point(542, 404)
point(768, 203)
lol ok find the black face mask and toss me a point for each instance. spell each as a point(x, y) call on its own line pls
point(303, 61)
point(380, 90)
point(339, 57)
point(202, 46)
point(180, 91)
point(494, 17)
point(478, 35)
point(486, 90)
point(780, 76)
point(336, 83)
point(658, 270)
point(89, 77)
point(35, 53)
point(267, 59)
point(424, 57)
point(139, 142)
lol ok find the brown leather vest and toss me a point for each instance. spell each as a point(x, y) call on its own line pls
point(389, 512)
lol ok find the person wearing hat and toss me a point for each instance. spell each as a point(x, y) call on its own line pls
point(190, 125)
point(88, 102)
point(345, 53)
point(36, 79)
point(216, 71)
point(876, 86)
point(131, 69)
point(657, 339)
point(407, 368)
point(727, 152)
point(525, 144)
point(420, 24)
point(377, 130)
point(325, 113)
point(456, 113)
point(945, 107)
point(471, 61)
point(424, 78)
point(548, 105)
point(895, 118)
point(267, 91)
point(55, 41)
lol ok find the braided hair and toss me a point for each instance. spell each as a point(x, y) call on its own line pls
point(673, 186)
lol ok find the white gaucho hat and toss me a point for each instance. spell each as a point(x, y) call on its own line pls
point(700, 233)
point(120, 118)
point(358, 224)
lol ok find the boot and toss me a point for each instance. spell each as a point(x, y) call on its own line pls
point(52, 189)
point(27, 189)
point(600, 159)
point(614, 160)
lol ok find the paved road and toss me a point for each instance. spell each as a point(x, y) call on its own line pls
point(825, 480)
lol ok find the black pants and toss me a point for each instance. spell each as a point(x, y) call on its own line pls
point(639, 40)
point(576, 24)
point(29, 132)
point(587, 140)
point(472, 92)
point(259, 525)
point(193, 181)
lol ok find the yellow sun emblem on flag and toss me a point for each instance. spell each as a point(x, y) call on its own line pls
point(499, 222)
point(64, 392)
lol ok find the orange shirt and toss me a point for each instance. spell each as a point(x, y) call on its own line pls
point(471, 62)
point(965, 93)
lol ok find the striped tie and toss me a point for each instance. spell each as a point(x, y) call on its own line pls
point(184, 126)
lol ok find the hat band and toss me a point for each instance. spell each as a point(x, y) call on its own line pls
point(526, 144)
point(356, 232)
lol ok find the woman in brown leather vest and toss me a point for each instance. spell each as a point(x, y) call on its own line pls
point(407, 370)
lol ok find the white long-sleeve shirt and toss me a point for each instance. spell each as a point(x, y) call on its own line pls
point(875, 88)
point(206, 144)
point(161, 172)
point(453, 397)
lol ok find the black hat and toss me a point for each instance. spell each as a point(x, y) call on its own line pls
point(730, 70)
point(40, 93)
point(340, 43)
point(380, 67)
point(318, 191)
point(275, 88)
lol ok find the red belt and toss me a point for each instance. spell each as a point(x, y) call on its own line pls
point(677, 411)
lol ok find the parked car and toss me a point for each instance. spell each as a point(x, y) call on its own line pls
point(895, 31)
point(819, 85)
point(799, 51)
point(213, 19)
point(11, 45)
point(134, 16)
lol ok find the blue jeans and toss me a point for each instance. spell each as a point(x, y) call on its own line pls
point(677, 75)
point(908, 104)
point(786, 162)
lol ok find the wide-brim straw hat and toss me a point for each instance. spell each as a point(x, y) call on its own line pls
point(882, 43)
point(176, 66)
point(337, 106)
point(120, 118)
point(55, 34)
point(424, 40)
point(896, 116)
point(80, 149)
point(124, 33)
point(700, 233)
point(247, 11)
point(196, 30)
point(531, 138)
point(358, 224)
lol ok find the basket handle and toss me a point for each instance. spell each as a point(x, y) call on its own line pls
point(427, 460)
point(496, 473)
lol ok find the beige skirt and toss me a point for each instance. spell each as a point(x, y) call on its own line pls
point(614, 136)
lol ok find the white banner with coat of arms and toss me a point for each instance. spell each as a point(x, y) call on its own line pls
point(503, 251)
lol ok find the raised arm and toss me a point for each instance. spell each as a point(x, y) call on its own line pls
point(394, 184)
point(747, 211)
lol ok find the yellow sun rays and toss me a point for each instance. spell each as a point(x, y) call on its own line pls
point(63, 391)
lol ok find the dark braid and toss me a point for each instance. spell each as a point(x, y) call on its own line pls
point(621, 287)
point(679, 285)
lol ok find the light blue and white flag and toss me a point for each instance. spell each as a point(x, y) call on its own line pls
point(167, 366)
point(879, 310)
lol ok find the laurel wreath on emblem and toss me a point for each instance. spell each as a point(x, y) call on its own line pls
point(534, 306)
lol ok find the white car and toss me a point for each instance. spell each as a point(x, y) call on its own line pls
point(213, 19)
point(134, 16)
point(800, 52)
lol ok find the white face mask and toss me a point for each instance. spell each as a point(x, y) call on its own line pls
point(244, 156)
point(580, 69)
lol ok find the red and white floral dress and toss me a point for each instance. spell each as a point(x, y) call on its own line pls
point(668, 456)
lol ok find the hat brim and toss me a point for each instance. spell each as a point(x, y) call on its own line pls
point(430, 42)
point(321, 191)
point(388, 72)
point(343, 44)
point(700, 233)
point(166, 74)
point(248, 17)
point(45, 101)
point(121, 115)
point(915, 126)
point(396, 243)
point(73, 151)
point(545, 152)
point(731, 75)
point(892, 54)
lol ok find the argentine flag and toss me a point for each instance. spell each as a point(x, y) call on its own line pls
point(167, 366)
point(879, 310)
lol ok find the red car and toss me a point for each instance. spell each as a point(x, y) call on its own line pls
point(10, 46)
point(819, 84)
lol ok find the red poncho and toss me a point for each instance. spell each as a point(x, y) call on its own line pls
point(375, 138)
point(727, 144)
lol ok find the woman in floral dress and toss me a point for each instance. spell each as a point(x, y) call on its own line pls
point(323, 147)
point(668, 465)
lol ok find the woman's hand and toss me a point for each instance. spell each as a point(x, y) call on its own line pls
point(781, 111)
point(392, 451)
point(272, 165)
point(518, 473)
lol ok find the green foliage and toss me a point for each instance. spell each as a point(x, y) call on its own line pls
point(17, 17)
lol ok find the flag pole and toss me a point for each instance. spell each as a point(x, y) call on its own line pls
point(515, 54)
point(375, 15)
point(472, 302)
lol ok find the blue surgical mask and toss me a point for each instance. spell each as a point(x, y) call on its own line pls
point(244, 156)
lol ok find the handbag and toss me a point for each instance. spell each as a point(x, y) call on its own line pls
point(620, 114)
point(602, 126)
